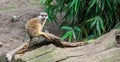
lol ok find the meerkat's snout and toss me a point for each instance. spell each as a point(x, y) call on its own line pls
point(43, 18)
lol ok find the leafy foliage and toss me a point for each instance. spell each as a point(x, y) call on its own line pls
point(93, 17)
point(70, 32)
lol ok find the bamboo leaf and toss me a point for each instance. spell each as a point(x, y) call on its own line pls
point(94, 22)
point(76, 5)
point(98, 28)
point(109, 5)
point(43, 1)
point(74, 35)
point(91, 19)
point(117, 26)
point(77, 28)
point(103, 5)
point(66, 35)
point(102, 24)
point(66, 27)
point(70, 37)
point(72, 3)
point(92, 3)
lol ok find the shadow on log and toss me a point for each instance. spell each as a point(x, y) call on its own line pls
point(104, 49)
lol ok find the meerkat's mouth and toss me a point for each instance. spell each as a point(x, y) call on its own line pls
point(43, 18)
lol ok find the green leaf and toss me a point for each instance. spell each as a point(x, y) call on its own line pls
point(117, 26)
point(103, 5)
point(72, 3)
point(66, 35)
point(77, 28)
point(93, 23)
point(97, 9)
point(70, 38)
point(66, 27)
point(43, 1)
point(74, 35)
point(91, 19)
point(102, 25)
point(76, 5)
point(109, 5)
point(98, 28)
point(92, 3)
point(79, 36)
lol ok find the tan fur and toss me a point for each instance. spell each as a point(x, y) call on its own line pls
point(35, 25)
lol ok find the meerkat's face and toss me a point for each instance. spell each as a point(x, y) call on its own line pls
point(43, 16)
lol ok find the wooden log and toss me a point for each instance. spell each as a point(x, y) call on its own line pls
point(52, 39)
point(104, 49)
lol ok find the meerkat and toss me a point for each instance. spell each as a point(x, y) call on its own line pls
point(34, 28)
point(35, 25)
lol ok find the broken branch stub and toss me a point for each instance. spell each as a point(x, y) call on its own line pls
point(1, 44)
point(117, 37)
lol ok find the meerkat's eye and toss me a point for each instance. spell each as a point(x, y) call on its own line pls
point(42, 15)
point(45, 15)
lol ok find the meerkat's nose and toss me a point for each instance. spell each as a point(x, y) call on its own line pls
point(43, 18)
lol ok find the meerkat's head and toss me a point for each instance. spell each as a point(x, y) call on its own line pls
point(43, 16)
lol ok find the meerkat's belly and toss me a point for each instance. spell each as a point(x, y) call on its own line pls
point(34, 30)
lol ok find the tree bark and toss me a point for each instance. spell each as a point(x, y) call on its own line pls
point(104, 49)
point(50, 38)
